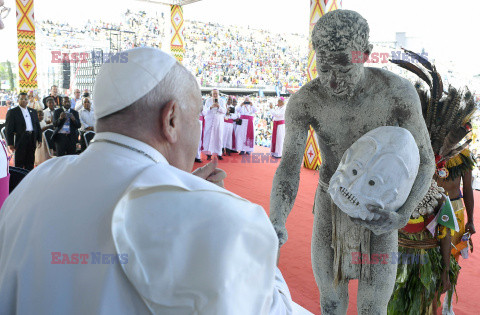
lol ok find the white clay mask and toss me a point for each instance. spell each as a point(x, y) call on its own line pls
point(378, 170)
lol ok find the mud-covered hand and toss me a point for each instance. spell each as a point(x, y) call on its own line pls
point(281, 233)
point(382, 222)
point(3, 14)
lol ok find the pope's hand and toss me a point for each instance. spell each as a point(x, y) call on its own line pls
point(211, 173)
point(383, 221)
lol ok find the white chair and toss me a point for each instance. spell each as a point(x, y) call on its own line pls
point(47, 136)
point(2, 133)
point(88, 136)
point(4, 137)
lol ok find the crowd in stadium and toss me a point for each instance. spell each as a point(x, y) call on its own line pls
point(232, 56)
point(148, 29)
point(219, 56)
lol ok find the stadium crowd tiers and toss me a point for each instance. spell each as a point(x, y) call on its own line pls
point(220, 56)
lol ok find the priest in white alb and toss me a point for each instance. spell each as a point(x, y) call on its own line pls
point(229, 127)
point(245, 132)
point(140, 234)
point(214, 112)
point(278, 130)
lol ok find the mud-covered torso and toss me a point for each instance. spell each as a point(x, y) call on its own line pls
point(339, 122)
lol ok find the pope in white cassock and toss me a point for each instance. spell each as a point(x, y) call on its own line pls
point(141, 234)
point(214, 112)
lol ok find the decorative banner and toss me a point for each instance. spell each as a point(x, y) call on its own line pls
point(311, 158)
point(177, 44)
point(317, 9)
point(26, 45)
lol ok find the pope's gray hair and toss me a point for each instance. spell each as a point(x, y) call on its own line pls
point(178, 85)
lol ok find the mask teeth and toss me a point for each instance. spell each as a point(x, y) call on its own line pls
point(349, 196)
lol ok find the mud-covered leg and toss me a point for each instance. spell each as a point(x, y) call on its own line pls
point(333, 300)
point(373, 295)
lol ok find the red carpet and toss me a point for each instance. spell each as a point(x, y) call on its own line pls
point(3, 112)
point(251, 178)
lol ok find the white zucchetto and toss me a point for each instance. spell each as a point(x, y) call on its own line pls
point(128, 77)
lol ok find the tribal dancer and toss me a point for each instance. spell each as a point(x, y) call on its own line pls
point(419, 283)
point(459, 169)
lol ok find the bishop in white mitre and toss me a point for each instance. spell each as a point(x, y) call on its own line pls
point(214, 112)
point(141, 234)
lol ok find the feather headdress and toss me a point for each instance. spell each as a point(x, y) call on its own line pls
point(447, 114)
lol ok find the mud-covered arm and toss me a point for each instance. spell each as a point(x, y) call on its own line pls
point(408, 114)
point(287, 176)
point(415, 123)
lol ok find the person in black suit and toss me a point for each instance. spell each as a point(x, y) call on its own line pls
point(66, 122)
point(23, 133)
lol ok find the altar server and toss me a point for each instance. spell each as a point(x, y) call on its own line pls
point(229, 127)
point(245, 133)
point(278, 131)
point(140, 234)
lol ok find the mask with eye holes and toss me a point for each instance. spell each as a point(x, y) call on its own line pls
point(378, 171)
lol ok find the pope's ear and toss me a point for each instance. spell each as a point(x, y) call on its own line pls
point(169, 118)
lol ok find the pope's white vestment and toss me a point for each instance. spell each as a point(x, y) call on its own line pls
point(213, 133)
point(158, 240)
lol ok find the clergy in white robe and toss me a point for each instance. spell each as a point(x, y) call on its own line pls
point(214, 112)
point(229, 128)
point(278, 131)
point(245, 133)
point(140, 235)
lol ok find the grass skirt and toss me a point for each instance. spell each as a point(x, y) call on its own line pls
point(419, 277)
